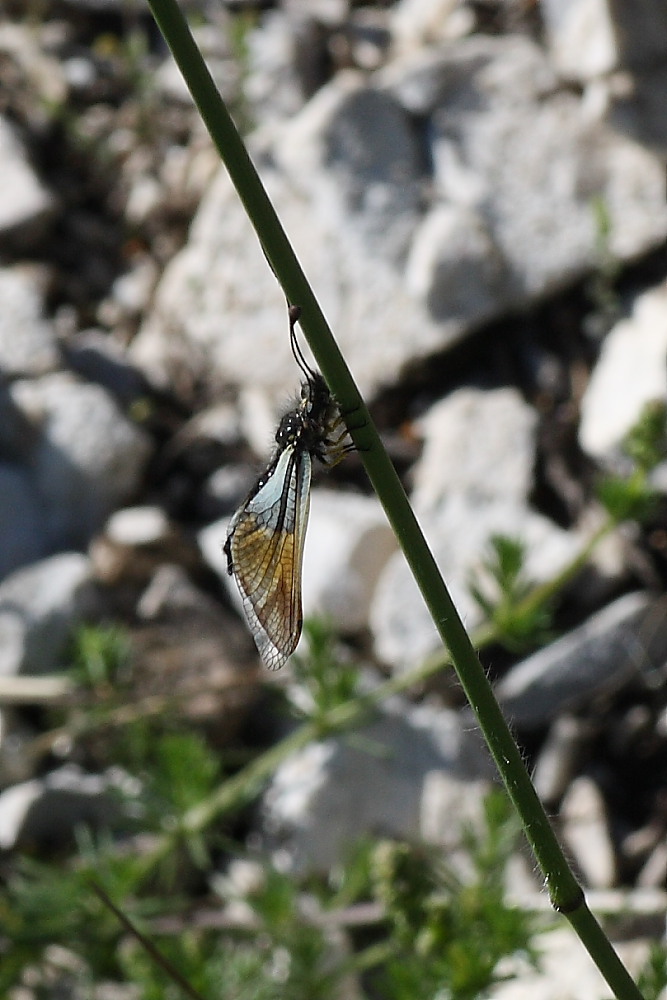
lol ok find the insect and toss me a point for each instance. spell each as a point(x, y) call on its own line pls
point(265, 539)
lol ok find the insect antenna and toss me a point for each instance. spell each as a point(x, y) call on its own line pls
point(294, 316)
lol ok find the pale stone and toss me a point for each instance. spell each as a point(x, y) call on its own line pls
point(630, 372)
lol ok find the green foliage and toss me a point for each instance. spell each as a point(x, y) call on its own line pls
point(601, 286)
point(99, 655)
point(632, 497)
point(185, 771)
point(242, 24)
point(177, 771)
point(296, 956)
point(225, 970)
point(298, 945)
point(46, 902)
point(441, 936)
point(501, 588)
point(448, 935)
point(646, 442)
point(652, 978)
point(326, 678)
point(240, 28)
point(627, 499)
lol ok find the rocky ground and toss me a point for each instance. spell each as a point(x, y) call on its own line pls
point(477, 193)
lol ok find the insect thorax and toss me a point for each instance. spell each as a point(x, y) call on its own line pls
point(308, 425)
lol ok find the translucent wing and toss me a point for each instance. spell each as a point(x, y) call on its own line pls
point(265, 550)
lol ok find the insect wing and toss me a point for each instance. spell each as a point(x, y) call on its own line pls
point(265, 544)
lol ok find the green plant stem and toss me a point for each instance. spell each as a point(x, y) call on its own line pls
point(564, 891)
point(543, 593)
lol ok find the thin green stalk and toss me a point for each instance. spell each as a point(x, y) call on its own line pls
point(544, 592)
point(565, 893)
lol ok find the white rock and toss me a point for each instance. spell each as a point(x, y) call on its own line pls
point(585, 830)
point(454, 266)
point(322, 799)
point(460, 506)
point(50, 809)
point(533, 194)
point(130, 293)
point(580, 36)
point(138, 526)
point(88, 457)
point(607, 652)
point(459, 537)
point(629, 373)
point(347, 183)
point(496, 73)
point(553, 178)
point(25, 205)
point(415, 24)
point(15, 803)
point(654, 871)
point(360, 291)
point(80, 74)
point(27, 340)
point(24, 50)
point(347, 546)
point(271, 85)
point(211, 540)
point(591, 37)
point(39, 607)
point(507, 165)
point(467, 434)
point(559, 757)
point(144, 198)
point(443, 796)
point(213, 42)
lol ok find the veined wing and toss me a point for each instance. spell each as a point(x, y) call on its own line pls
point(265, 543)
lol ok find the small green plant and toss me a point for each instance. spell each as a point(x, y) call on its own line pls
point(436, 933)
point(42, 903)
point(632, 497)
point(242, 24)
point(652, 978)
point(646, 443)
point(601, 286)
point(501, 588)
point(297, 944)
point(324, 676)
point(627, 499)
point(448, 934)
point(99, 655)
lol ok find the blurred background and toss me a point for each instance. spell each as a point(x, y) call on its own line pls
point(477, 192)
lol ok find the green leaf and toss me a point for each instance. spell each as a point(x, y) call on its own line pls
point(630, 499)
point(646, 442)
point(500, 588)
